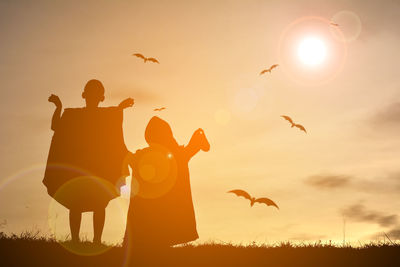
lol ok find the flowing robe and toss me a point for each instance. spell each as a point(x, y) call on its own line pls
point(86, 162)
point(161, 209)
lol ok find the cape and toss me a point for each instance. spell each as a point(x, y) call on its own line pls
point(87, 143)
point(161, 209)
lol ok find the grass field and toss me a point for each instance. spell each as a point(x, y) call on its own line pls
point(30, 250)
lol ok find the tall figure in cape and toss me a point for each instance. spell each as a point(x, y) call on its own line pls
point(161, 210)
point(85, 166)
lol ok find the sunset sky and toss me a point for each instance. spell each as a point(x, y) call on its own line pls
point(342, 83)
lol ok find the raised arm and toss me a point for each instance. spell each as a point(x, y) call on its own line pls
point(127, 103)
point(197, 142)
point(57, 113)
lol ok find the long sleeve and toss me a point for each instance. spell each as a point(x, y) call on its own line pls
point(56, 118)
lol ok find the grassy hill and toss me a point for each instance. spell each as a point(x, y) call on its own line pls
point(30, 250)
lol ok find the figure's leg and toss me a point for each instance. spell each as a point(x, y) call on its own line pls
point(75, 224)
point(99, 217)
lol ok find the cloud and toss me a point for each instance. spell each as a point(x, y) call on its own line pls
point(393, 234)
point(375, 18)
point(328, 181)
point(360, 213)
point(387, 183)
point(388, 117)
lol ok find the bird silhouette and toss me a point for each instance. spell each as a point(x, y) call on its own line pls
point(151, 59)
point(242, 193)
point(301, 127)
point(334, 24)
point(269, 70)
point(159, 109)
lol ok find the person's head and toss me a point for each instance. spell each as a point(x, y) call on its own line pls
point(93, 93)
point(158, 131)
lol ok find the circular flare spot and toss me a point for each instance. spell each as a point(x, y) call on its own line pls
point(147, 172)
point(349, 24)
point(84, 193)
point(154, 171)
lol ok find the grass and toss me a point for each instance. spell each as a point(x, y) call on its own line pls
point(31, 249)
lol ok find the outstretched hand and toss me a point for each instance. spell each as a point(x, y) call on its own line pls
point(56, 100)
point(126, 103)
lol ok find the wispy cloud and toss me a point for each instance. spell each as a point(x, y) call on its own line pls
point(360, 213)
point(328, 181)
point(386, 183)
point(388, 117)
point(393, 234)
point(373, 23)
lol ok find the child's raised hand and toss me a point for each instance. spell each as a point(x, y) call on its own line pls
point(199, 137)
point(126, 103)
point(56, 100)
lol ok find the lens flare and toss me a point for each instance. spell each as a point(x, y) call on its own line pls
point(81, 189)
point(155, 172)
point(312, 51)
point(309, 53)
point(350, 26)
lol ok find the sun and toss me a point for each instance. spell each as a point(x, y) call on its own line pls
point(311, 51)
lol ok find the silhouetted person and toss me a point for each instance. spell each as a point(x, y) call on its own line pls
point(161, 209)
point(85, 167)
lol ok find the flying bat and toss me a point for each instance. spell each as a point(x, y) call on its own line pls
point(151, 59)
point(159, 109)
point(301, 127)
point(269, 70)
point(241, 193)
point(334, 24)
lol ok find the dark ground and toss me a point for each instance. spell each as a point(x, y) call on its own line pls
point(27, 250)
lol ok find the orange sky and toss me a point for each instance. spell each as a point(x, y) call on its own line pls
point(211, 53)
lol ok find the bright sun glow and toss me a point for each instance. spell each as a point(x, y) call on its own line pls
point(311, 51)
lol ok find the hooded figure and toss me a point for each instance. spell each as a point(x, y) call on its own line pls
point(161, 210)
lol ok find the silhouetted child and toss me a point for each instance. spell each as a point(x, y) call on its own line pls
point(85, 166)
point(161, 209)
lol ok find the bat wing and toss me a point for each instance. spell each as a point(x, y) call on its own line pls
point(152, 59)
point(139, 55)
point(287, 118)
point(264, 71)
point(241, 193)
point(274, 66)
point(156, 109)
point(267, 201)
point(301, 127)
point(162, 108)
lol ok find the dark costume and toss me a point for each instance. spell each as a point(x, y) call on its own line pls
point(85, 166)
point(161, 209)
